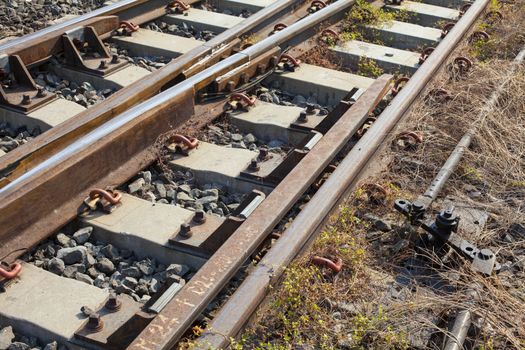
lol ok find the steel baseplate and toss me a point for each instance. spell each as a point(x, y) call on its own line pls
point(85, 52)
point(204, 234)
point(18, 90)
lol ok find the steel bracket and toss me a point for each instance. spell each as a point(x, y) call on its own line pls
point(270, 169)
point(18, 90)
point(85, 52)
point(443, 230)
point(118, 326)
point(210, 232)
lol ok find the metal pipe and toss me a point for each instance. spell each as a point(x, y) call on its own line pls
point(450, 165)
point(241, 305)
point(459, 331)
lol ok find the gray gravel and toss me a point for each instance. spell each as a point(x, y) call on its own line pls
point(85, 94)
point(273, 94)
point(11, 138)
point(225, 134)
point(79, 256)
point(209, 7)
point(179, 188)
point(181, 30)
point(12, 340)
point(19, 17)
point(151, 63)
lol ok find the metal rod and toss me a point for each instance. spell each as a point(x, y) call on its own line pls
point(459, 331)
point(458, 334)
point(450, 165)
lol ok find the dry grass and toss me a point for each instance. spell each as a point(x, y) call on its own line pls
point(314, 309)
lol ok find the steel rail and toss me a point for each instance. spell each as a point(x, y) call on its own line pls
point(241, 305)
point(37, 36)
point(105, 156)
point(244, 301)
point(26, 156)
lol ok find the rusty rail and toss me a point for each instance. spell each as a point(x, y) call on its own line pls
point(243, 303)
point(25, 157)
point(102, 158)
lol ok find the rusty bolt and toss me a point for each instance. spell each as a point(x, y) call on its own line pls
point(199, 217)
point(26, 99)
point(103, 64)
point(113, 304)
point(115, 59)
point(254, 165)
point(243, 78)
point(310, 108)
point(263, 153)
point(230, 86)
point(303, 118)
point(95, 323)
point(260, 69)
point(274, 60)
point(185, 230)
point(41, 92)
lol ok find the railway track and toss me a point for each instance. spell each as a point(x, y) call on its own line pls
point(179, 140)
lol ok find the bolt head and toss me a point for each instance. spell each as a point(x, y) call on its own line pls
point(185, 230)
point(113, 303)
point(254, 165)
point(199, 217)
point(303, 118)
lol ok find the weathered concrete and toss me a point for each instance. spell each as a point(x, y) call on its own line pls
point(203, 20)
point(220, 165)
point(42, 304)
point(144, 228)
point(146, 42)
point(454, 4)
point(44, 117)
point(238, 5)
point(391, 60)
point(116, 80)
point(405, 36)
point(425, 14)
point(328, 86)
point(268, 121)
